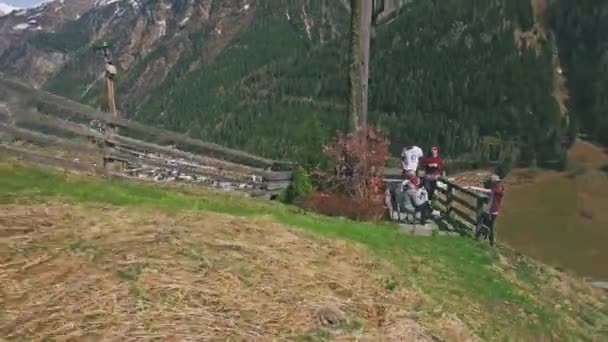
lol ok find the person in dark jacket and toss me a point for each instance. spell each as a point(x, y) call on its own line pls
point(433, 169)
point(496, 191)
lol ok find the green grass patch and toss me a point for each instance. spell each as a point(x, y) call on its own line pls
point(131, 272)
point(318, 335)
point(89, 249)
point(139, 297)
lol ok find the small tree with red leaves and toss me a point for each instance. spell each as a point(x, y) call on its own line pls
point(355, 188)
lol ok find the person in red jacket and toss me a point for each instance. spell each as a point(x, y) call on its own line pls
point(412, 178)
point(433, 169)
point(496, 190)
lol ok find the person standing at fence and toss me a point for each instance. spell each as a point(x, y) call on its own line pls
point(433, 169)
point(496, 190)
point(410, 157)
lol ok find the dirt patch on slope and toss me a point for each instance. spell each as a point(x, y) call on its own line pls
point(83, 273)
point(588, 155)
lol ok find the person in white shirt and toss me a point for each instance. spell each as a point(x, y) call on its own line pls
point(410, 157)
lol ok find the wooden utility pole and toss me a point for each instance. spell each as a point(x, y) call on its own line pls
point(361, 25)
point(110, 73)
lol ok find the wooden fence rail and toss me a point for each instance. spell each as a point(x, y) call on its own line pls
point(81, 147)
point(53, 105)
point(461, 203)
point(98, 154)
point(118, 140)
point(53, 122)
point(456, 202)
point(47, 160)
point(46, 140)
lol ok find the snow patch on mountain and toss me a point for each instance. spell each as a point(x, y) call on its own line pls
point(100, 3)
point(6, 9)
point(20, 27)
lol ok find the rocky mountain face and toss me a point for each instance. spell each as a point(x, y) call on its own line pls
point(23, 34)
point(49, 46)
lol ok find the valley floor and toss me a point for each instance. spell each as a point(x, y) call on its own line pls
point(560, 217)
point(83, 258)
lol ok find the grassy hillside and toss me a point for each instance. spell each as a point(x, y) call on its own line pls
point(561, 218)
point(165, 264)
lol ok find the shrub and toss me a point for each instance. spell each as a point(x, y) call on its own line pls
point(337, 204)
point(354, 189)
point(299, 188)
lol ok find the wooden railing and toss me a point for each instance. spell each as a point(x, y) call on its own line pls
point(456, 203)
point(67, 128)
point(63, 108)
point(460, 203)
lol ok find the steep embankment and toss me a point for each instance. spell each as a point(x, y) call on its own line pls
point(84, 258)
point(561, 218)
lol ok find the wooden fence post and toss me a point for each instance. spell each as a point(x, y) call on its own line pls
point(104, 146)
point(449, 199)
point(479, 213)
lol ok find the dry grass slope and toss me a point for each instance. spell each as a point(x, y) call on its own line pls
point(88, 273)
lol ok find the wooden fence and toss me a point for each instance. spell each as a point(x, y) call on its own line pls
point(460, 203)
point(26, 97)
point(456, 203)
point(46, 120)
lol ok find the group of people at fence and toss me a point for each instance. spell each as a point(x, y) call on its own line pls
point(421, 172)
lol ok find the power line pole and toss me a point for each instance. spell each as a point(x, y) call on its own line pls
point(361, 25)
point(110, 73)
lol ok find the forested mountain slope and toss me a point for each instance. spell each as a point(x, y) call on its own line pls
point(443, 72)
point(271, 76)
point(582, 31)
